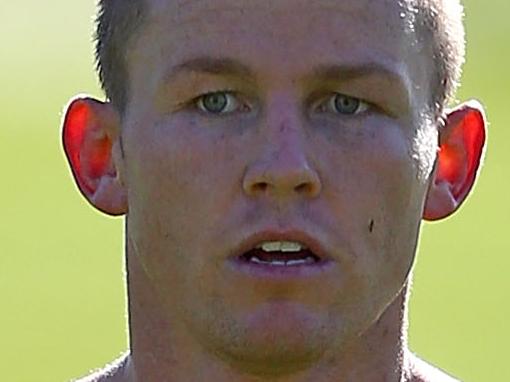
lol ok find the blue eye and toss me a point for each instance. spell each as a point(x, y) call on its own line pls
point(218, 102)
point(344, 104)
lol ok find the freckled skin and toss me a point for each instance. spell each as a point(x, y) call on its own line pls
point(194, 191)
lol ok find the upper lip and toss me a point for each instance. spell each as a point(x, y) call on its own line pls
point(300, 236)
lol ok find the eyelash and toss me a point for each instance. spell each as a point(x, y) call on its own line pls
point(195, 103)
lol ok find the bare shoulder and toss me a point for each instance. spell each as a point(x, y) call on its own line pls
point(113, 372)
point(422, 371)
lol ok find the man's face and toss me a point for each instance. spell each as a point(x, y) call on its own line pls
point(288, 147)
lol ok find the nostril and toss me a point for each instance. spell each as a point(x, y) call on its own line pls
point(284, 180)
point(304, 187)
point(261, 186)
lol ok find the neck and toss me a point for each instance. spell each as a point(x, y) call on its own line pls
point(162, 349)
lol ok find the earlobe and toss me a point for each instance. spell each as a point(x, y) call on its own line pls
point(90, 135)
point(462, 142)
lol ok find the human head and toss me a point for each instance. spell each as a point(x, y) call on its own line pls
point(194, 184)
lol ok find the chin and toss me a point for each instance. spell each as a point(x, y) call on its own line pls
point(273, 339)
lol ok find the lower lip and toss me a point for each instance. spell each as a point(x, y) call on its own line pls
point(280, 272)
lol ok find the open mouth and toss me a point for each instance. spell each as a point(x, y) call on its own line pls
point(280, 254)
point(282, 258)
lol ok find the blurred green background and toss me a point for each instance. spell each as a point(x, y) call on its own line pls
point(62, 294)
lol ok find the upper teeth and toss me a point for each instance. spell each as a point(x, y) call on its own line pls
point(283, 246)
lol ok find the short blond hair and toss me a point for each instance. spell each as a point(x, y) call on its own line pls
point(441, 21)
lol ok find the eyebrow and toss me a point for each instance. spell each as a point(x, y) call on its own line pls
point(343, 72)
point(346, 72)
point(232, 67)
point(212, 65)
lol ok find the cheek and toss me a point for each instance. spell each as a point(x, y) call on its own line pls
point(181, 178)
point(376, 193)
point(373, 168)
point(180, 183)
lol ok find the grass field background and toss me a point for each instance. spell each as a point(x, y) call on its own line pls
point(62, 294)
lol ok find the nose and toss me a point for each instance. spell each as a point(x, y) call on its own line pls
point(282, 168)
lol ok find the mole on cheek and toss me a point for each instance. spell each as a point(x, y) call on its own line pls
point(371, 226)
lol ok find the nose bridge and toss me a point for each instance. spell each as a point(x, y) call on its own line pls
point(282, 110)
point(282, 165)
point(283, 126)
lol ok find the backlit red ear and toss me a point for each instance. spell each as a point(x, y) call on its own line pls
point(89, 130)
point(462, 142)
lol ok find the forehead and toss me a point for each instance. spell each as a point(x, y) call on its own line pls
point(380, 16)
point(189, 8)
point(278, 38)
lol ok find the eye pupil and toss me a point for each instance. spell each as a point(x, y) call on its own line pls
point(215, 102)
point(346, 105)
